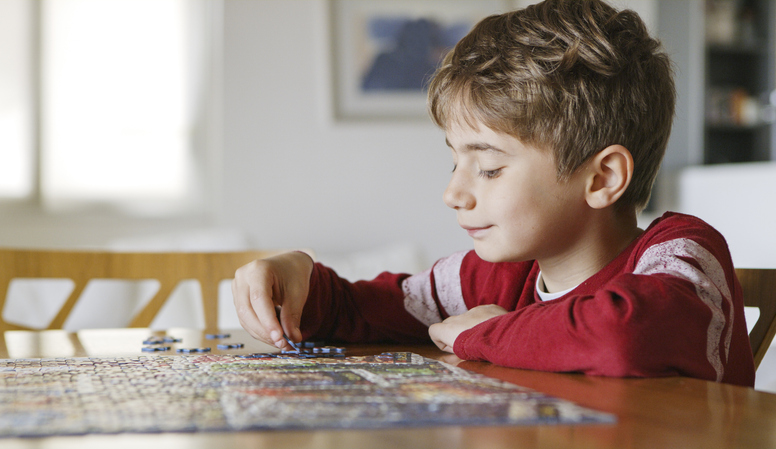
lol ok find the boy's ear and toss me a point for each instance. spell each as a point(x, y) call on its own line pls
point(609, 175)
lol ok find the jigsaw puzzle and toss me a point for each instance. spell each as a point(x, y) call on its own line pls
point(210, 392)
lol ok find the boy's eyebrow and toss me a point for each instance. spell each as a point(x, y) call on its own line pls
point(478, 146)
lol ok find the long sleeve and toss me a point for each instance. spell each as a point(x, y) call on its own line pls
point(363, 311)
point(669, 305)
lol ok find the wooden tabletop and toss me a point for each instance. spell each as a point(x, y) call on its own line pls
point(651, 413)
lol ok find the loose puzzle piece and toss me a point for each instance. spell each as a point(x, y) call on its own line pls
point(155, 348)
point(160, 340)
point(217, 336)
point(210, 392)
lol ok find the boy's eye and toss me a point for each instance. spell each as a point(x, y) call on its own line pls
point(454, 167)
point(490, 174)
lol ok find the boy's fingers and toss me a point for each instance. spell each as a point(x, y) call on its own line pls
point(289, 320)
point(439, 336)
point(260, 286)
point(264, 308)
point(245, 313)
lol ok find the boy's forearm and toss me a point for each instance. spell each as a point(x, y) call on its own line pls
point(363, 311)
point(609, 334)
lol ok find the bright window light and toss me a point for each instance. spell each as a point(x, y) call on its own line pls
point(116, 120)
point(16, 150)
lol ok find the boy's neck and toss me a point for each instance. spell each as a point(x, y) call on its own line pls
point(597, 244)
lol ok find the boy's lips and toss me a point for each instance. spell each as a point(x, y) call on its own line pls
point(475, 231)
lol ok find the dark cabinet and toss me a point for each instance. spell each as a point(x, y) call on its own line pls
point(739, 81)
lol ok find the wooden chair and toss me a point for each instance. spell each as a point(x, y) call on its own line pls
point(759, 289)
point(169, 269)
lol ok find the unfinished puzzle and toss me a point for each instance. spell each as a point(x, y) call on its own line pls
point(205, 392)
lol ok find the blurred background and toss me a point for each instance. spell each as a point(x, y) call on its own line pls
point(231, 124)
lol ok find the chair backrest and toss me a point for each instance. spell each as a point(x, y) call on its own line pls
point(759, 289)
point(169, 269)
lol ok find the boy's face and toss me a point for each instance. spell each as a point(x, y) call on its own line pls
point(508, 198)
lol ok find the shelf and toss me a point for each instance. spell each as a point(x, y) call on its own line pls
point(733, 127)
point(754, 49)
point(738, 73)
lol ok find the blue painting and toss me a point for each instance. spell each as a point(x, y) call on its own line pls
point(411, 50)
point(385, 52)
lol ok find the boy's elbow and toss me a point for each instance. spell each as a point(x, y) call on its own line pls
point(651, 353)
point(622, 356)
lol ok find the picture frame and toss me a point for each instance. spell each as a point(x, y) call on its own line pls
point(385, 51)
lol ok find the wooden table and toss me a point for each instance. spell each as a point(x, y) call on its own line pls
point(651, 413)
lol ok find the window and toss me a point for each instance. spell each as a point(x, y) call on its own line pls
point(117, 114)
point(15, 100)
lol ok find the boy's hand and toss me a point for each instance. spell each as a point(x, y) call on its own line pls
point(262, 285)
point(445, 333)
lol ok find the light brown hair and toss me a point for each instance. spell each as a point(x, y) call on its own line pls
point(572, 76)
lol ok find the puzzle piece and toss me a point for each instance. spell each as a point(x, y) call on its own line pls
point(160, 340)
point(171, 340)
point(155, 348)
point(217, 336)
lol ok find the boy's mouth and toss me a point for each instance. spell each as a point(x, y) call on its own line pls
point(475, 232)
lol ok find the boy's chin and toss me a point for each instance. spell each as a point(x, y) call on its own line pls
point(494, 256)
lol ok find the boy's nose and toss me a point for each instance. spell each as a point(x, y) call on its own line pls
point(456, 194)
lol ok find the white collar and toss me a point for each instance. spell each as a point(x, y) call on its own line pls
point(543, 295)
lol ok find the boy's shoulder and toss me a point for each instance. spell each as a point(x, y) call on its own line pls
point(675, 225)
point(680, 241)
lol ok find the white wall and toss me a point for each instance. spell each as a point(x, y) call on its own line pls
point(292, 176)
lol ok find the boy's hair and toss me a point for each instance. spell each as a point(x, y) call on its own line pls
point(568, 75)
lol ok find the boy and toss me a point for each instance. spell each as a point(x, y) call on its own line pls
point(557, 117)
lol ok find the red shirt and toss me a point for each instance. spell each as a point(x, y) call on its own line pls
point(669, 304)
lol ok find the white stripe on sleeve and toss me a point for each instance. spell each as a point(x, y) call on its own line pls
point(710, 286)
point(418, 299)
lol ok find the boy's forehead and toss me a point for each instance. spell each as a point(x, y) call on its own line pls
point(460, 115)
point(462, 132)
point(463, 136)
point(463, 121)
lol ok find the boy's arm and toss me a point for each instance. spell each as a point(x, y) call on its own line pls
point(612, 332)
point(400, 307)
point(362, 311)
point(317, 303)
point(676, 310)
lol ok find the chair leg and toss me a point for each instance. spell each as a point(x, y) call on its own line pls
point(59, 320)
point(210, 304)
point(149, 312)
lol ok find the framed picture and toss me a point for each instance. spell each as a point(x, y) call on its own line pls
point(385, 51)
